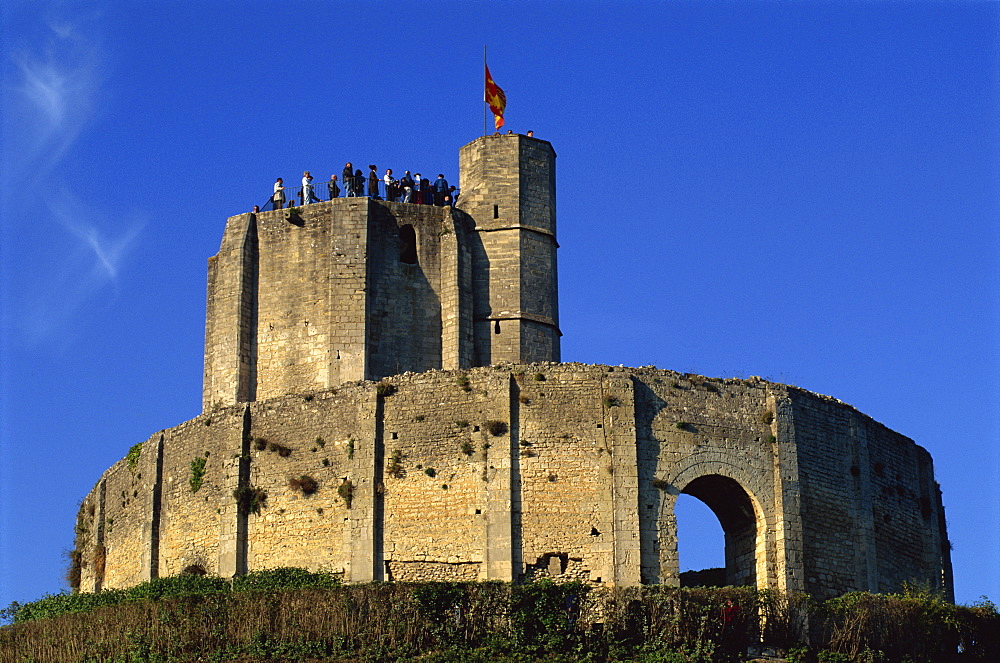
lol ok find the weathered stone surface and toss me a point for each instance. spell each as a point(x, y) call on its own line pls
point(478, 456)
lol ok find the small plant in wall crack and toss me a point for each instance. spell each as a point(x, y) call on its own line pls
point(463, 382)
point(395, 469)
point(197, 473)
point(385, 389)
point(767, 417)
point(250, 499)
point(467, 448)
point(132, 457)
point(346, 492)
point(350, 449)
point(661, 484)
point(305, 484)
point(611, 401)
point(495, 428)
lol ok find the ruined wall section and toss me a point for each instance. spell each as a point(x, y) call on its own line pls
point(869, 504)
point(297, 440)
point(566, 472)
point(437, 451)
point(692, 427)
point(194, 492)
point(519, 472)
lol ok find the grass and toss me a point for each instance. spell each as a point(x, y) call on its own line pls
point(467, 448)
point(385, 389)
point(611, 401)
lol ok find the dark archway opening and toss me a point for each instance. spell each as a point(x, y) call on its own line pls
point(407, 245)
point(732, 506)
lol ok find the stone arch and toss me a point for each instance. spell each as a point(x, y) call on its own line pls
point(738, 501)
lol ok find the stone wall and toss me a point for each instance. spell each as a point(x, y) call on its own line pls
point(526, 471)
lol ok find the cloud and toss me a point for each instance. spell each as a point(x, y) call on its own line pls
point(53, 99)
point(54, 96)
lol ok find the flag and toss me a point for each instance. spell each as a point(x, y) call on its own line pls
point(496, 99)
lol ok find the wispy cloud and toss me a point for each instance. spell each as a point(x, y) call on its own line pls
point(53, 101)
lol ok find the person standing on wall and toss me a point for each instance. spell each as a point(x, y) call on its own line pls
point(308, 196)
point(390, 194)
point(359, 183)
point(278, 199)
point(418, 190)
point(406, 181)
point(440, 190)
point(348, 179)
point(373, 182)
point(332, 187)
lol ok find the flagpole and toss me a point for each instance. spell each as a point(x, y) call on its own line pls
point(484, 90)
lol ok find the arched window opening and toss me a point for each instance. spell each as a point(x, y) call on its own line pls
point(701, 544)
point(407, 245)
point(194, 570)
point(732, 507)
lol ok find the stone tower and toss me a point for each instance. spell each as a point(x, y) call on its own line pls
point(508, 188)
point(360, 289)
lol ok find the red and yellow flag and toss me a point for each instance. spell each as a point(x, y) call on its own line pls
point(496, 99)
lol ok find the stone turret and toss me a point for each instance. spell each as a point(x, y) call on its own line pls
point(508, 188)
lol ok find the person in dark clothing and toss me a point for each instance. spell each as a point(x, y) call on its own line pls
point(373, 182)
point(348, 179)
point(440, 187)
point(332, 187)
point(359, 183)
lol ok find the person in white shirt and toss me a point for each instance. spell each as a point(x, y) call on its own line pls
point(389, 189)
point(278, 199)
point(307, 189)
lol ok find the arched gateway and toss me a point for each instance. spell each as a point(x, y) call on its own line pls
point(476, 455)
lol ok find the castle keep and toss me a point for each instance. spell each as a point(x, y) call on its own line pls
point(383, 400)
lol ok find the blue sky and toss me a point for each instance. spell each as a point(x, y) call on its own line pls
point(806, 191)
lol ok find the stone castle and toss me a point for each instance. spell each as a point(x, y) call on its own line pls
point(383, 401)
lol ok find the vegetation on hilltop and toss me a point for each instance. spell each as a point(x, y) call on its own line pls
point(294, 615)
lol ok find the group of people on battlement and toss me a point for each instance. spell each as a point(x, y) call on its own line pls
point(410, 188)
